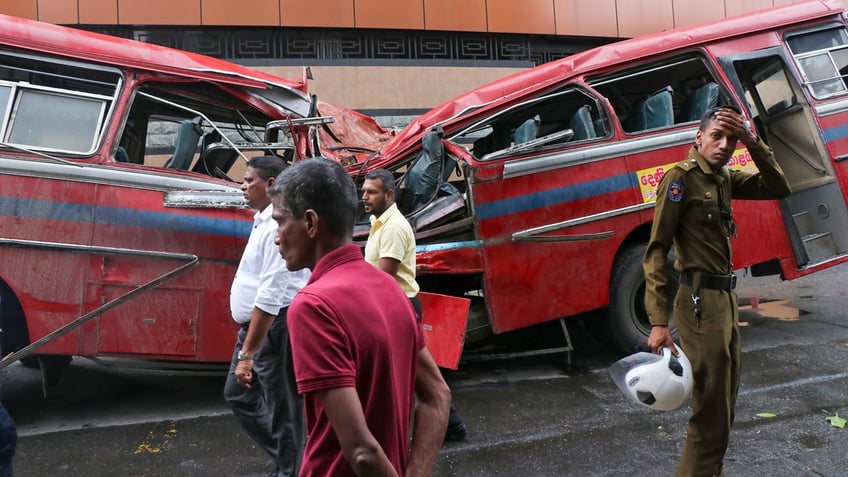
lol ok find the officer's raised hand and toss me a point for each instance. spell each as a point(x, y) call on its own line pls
point(738, 125)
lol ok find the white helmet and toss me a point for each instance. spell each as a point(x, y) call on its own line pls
point(662, 383)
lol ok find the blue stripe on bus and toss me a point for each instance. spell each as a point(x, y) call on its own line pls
point(87, 213)
point(835, 133)
point(436, 247)
point(560, 195)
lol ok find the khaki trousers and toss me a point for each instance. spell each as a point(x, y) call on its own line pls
point(711, 342)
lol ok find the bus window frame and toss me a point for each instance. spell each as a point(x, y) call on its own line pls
point(77, 72)
point(797, 59)
point(601, 83)
point(556, 138)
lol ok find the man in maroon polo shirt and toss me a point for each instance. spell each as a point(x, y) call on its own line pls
point(359, 353)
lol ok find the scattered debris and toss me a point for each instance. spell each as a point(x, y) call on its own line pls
point(836, 421)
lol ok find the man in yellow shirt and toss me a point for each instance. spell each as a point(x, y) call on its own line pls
point(391, 248)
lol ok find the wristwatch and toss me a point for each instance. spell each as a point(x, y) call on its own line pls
point(244, 357)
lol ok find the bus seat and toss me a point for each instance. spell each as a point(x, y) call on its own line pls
point(635, 120)
point(209, 138)
point(188, 136)
point(430, 172)
point(654, 111)
point(699, 102)
point(217, 156)
point(496, 140)
point(121, 154)
point(600, 129)
point(659, 110)
point(581, 124)
point(528, 130)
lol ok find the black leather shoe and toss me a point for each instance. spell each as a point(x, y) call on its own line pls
point(456, 432)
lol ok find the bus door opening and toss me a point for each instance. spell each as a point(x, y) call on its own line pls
point(815, 214)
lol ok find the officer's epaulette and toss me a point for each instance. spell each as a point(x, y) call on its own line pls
point(688, 164)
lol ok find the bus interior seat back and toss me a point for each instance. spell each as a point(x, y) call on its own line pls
point(121, 154)
point(217, 155)
point(494, 141)
point(699, 102)
point(188, 135)
point(528, 130)
point(600, 128)
point(659, 110)
point(582, 125)
point(431, 170)
point(209, 138)
point(635, 120)
point(655, 111)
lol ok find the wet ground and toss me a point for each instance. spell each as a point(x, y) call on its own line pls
point(533, 416)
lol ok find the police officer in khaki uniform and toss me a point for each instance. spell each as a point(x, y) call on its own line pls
point(693, 212)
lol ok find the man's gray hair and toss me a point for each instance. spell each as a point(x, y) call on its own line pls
point(321, 185)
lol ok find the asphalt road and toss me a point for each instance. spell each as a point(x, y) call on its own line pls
point(532, 416)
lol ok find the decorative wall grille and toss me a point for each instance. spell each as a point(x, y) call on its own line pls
point(338, 45)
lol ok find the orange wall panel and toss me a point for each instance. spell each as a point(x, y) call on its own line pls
point(98, 12)
point(20, 8)
point(247, 13)
point(159, 12)
point(526, 16)
point(586, 17)
point(406, 14)
point(691, 12)
point(455, 15)
point(644, 16)
point(58, 11)
point(317, 13)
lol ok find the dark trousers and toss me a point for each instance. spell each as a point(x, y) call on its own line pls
point(271, 410)
point(8, 442)
point(712, 344)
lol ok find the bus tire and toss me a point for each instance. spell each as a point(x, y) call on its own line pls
point(14, 333)
point(627, 325)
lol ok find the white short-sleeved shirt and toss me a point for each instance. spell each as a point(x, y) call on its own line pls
point(262, 279)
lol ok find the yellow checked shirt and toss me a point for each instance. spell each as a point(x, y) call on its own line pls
point(391, 236)
point(693, 213)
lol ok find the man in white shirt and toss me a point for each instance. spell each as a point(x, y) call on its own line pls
point(260, 386)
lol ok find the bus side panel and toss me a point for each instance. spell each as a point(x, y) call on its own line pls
point(530, 282)
point(48, 282)
point(761, 232)
point(50, 292)
point(187, 317)
point(835, 133)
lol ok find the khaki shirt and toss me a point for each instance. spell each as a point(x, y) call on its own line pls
point(692, 213)
point(391, 236)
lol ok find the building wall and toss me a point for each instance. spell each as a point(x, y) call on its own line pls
point(606, 18)
point(395, 90)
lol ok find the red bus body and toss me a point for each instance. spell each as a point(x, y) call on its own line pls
point(549, 209)
point(532, 197)
point(120, 224)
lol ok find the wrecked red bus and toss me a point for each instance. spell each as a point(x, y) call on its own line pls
point(532, 197)
point(121, 216)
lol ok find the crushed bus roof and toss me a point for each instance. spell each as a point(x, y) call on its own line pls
point(85, 45)
point(596, 59)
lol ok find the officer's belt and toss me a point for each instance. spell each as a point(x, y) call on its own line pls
point(706, 280)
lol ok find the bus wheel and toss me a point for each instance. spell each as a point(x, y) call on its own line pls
point(627, 325)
